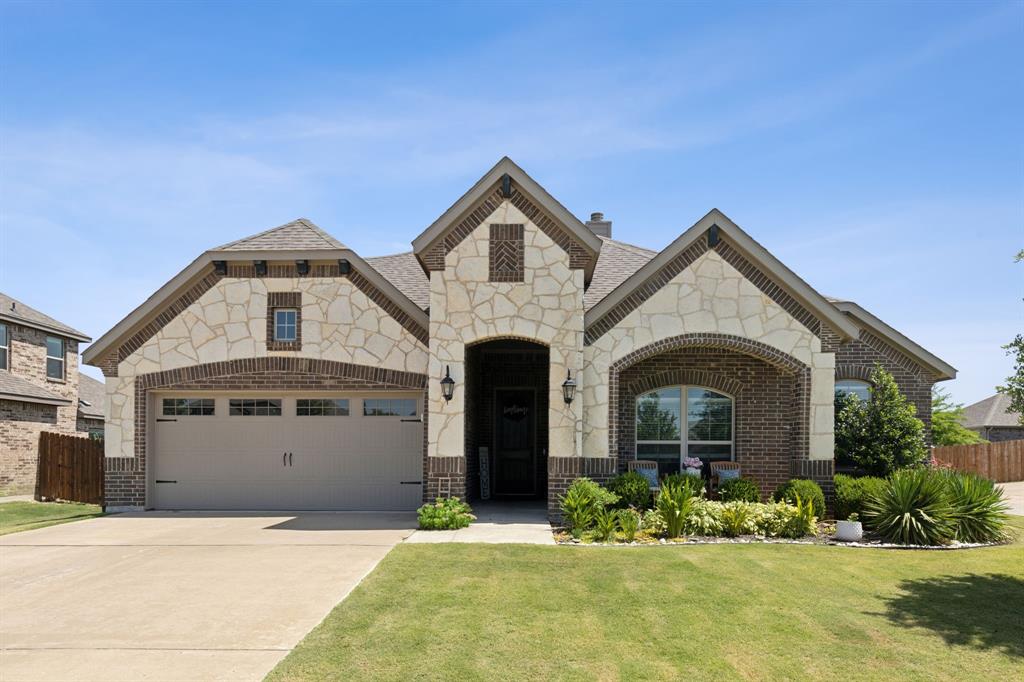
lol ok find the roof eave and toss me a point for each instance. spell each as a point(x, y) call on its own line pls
point(42, 326)
point(942, 369)
point(17, 397)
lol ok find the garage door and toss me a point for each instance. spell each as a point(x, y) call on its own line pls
point(286, 452)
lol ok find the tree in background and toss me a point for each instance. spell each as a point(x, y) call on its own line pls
point(947, 428)
point(881, 435)
point(1015, 382)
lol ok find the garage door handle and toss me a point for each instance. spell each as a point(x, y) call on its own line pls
point(410, 482)
point(284, 459)
point(290, 458)
point(417, 420)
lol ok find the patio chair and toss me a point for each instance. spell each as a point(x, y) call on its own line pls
point(649, 470)
point(717, 468)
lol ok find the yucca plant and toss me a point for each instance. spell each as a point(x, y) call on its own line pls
point(979, 508)
point(912, 508)
point(629, 522)
point(606, 522)
point(578, 509)
point(803, 522)
point(674, 503)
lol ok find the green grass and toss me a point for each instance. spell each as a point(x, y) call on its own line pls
point(764, 612)
point(18, 516)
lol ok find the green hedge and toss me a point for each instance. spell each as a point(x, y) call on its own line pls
point(852, 493)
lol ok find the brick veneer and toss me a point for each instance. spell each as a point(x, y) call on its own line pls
point(209, 277)
point(446, 476)
point(434, 256)
point(769, 409)
point(506, 253)
point(126, 476)
point(284, 299)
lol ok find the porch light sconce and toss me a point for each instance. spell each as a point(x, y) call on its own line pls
point(568, 387)
point(344, 267)
point(302, 266)
point(261, 267)
point(447, 384)
point(220, 267)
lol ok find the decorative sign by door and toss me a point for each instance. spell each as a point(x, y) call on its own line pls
point(485, 474)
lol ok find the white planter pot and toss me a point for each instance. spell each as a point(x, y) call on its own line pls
point(693, 472)
point(849, 531)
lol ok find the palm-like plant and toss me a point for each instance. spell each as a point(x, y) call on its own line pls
point(979, 508)
point(606, 521)
point(912, 508)
point(674, 502)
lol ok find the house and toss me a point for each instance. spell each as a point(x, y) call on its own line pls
point(40, 390)
point(993, 419)
point(504, 356)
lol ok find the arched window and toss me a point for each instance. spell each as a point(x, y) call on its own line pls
point(861, 389)
point(669, 429)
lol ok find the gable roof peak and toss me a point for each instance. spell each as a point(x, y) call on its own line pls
point(301, 234)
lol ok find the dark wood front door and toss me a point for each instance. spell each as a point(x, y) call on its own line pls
point(515, 442)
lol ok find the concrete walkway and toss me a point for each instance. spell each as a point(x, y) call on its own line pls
point(1015, 496)
point(498, 523)
point(178, 596)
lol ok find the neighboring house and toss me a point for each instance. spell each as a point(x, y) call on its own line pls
point(513, 350)
point(39, 389)
point(92, 401)
point(993, 420)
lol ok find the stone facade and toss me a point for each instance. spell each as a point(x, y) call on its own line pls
point(466, 307)
point(21, 422)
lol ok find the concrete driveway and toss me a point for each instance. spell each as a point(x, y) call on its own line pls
point(1014, 496)
point(178, 596)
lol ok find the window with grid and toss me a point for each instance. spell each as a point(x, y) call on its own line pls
point(389, 407)
point(683, 421)
point(332, 407)
point(285, 324)
point(54, 357)
point(5, 347)
point(254, 407)
point(190, 407)
point(861, 389)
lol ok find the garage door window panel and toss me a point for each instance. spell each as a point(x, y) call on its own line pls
point(254, 407)
point(333, 407)
point(188, 407)
point(389, 407)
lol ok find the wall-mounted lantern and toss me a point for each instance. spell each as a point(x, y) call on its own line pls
point(568, 387)
point(447, 384)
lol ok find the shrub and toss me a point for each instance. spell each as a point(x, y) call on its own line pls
point(912, 508)
point(581, 504)
point(881, 435)
point(705, 518)
point(852, 493)
point(606, 521)
point(674, 503)
point(736, 518)
point(633, 490)
point(653, 522)
point(739, 490)
point(806, 490)
point(629, 522)
point(802, 521)
point(979, 508)
point(447, 513)
point(695, 482)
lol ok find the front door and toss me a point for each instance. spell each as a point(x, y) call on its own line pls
point(515, 442)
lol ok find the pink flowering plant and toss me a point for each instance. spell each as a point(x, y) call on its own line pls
point(692, 462)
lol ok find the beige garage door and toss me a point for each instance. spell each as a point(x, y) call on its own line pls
point(286, 452)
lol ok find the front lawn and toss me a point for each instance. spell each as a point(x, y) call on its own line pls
point(19, 516)
point(455, 611)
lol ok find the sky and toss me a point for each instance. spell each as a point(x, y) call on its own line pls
point(875, 148)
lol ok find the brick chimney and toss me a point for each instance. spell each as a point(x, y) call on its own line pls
point(599, 226)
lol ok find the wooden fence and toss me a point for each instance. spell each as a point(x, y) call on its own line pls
point(1002, 462)
point(70, 468)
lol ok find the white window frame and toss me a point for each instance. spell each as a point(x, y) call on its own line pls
point(257, 406)
point(415, 404)
point(63, 354)
point(867, 384)
point(684, 441)
point(294, 325)
point(321, 410)
point(5, 347)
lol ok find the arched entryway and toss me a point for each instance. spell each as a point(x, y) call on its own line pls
point(507, 419)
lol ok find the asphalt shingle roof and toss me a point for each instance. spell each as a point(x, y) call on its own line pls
point(13, 385)
point(14, 310)
point(616, 262)
point(404, 271)
point(92, 392)
point(990, 412)
point(298, 235)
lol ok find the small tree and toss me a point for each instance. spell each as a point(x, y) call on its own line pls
point(883, 434)
point(947, 428)
point(1014, 386)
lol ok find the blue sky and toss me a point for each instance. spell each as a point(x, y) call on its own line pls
point(877, 149)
